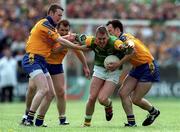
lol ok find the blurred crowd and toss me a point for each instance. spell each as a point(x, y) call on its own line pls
point(17, 17)
point(124, 9)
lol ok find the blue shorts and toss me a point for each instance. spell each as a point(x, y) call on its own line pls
point(55, 68)
point(32, 63)
point(146, 72)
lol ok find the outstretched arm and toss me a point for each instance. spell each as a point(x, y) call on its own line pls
point(68, 44)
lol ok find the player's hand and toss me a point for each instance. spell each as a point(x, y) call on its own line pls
point(112, 66)
point(80, 38)
point(87, 72)
point(129, 47)
point(72, 36)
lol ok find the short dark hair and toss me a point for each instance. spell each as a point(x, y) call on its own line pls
point(116, 24)
point(54, 7)
point(64, 23)
point(102, 30)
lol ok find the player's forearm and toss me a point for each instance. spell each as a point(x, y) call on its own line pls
point(68, 44)
point(125, 59)
point(81, 57)
point(65, 37)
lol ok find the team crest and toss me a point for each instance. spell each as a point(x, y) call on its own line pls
point(49, 33)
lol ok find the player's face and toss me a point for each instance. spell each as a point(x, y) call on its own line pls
point(112, 30)
point(63, 30)
point(57, 15)
point(101, 39)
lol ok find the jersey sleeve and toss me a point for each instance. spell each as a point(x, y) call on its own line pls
point(118, 44)
point(88, 41)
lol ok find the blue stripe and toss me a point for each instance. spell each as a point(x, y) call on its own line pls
point(48, 25)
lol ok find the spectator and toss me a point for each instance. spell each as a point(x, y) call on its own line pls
point(7, 75)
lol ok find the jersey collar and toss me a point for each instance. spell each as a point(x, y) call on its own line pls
point(51, 21)
point(121, 35)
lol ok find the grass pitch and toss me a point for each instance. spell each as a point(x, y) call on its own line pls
point(168, 121)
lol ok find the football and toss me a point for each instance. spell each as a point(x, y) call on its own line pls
point(110, 59)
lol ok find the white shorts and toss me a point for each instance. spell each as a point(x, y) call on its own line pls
point(103, 74)
point(36, 72)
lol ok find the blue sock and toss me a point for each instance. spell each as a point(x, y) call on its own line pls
point(131, 119)
point(62, 119)
point(30, 116)
point(39, 120)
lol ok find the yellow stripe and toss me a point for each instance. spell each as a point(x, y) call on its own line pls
point(31, 114)
point(31, 58)
point(88, 40)
point(87, 123)
point(40, 117)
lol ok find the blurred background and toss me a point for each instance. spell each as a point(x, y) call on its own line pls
point(155, 22)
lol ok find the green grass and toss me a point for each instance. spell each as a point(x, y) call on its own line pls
point(168, 121)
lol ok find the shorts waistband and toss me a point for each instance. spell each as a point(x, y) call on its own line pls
point(35, 55)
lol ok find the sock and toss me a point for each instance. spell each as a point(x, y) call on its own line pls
point(39, 120)
point(109, 104)
point(30, 116)
point(87, 120)
point(131, 119)
point(153, 111)
point(62, 119)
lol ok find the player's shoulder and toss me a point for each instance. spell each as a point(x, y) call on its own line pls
point(113, 37)
point(126, 36)
point(44, 23)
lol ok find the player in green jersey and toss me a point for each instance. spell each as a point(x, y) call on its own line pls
point(103, 82)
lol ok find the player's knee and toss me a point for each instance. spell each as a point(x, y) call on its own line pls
point(50, 95)
point(122, 94)
point(102, 100)
point(60, 94)
point(136, 101)
point(44, 91)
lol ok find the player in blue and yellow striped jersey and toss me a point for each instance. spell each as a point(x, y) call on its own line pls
point(56, 71)
point(138, 82)
point(39, 45)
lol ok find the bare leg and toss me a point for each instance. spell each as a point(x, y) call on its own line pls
point(105, 92)
point(95, 87)
point(45, 103)
point(31, 91)
point(42, 89)
point(127, 87)
point(47, 99)
point(137, 97)
point(60, 90)
point(59, 86)
point(140, 91)
point(103, 97)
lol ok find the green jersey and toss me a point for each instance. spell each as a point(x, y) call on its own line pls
point(101, 53)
